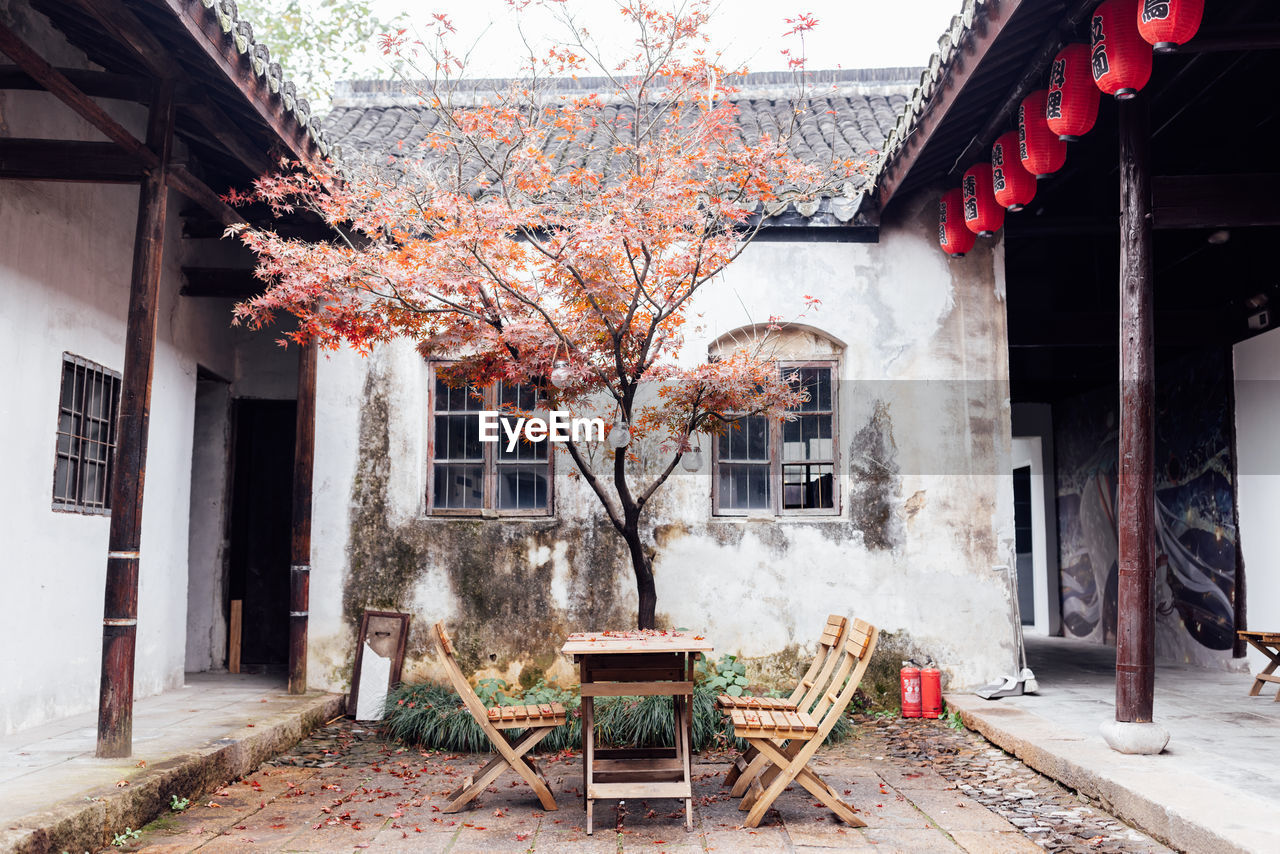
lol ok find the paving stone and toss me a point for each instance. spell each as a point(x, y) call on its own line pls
point(892, 840)
point(954, 811)
point(984, 842)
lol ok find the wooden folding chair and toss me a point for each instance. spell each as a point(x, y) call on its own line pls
point(805, 696)
point(803, 733)
point(537, 721)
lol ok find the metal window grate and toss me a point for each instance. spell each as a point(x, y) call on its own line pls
point(88, 409)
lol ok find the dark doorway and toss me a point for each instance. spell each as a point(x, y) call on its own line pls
point(260, 525)
point(1023, 544)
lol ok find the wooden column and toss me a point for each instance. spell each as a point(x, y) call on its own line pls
point(300, 543)
point(1135, 623)
point(120, 610)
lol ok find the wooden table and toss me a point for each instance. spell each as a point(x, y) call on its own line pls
point(1267, 643)
point(637, 664)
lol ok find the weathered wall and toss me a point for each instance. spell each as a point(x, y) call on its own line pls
point(65, 260)
point(1195, 520)
point(926, 506)
point(1257, 412)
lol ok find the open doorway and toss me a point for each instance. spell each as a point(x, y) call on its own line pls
point(1036, 542)
point(207, 529)
point(260, 527)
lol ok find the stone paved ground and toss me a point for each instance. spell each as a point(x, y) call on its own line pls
point(920, 785)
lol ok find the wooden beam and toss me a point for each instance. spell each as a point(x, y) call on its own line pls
point(1215, 201)
point(963, 63)
point(96, 84)
point(120, 609)
point(49, 77)
point(304, 449)
point(53, 80)
point(1135, 504)
point(206, 32)
point(1230, 41)
point(61, 160)
point(118, 20)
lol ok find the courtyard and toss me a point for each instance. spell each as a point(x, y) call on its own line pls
point(921, 786)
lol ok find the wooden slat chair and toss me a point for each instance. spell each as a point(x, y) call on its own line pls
point(805, 696)
point(803, 733)
point(537, 721)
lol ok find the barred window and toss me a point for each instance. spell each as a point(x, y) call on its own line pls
point(778, 466)
point(468, 476)
point(88, 410)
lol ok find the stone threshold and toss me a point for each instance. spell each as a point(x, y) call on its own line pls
point(90, 819)
point(1156, 794)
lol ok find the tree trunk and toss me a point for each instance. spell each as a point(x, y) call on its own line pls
point(643, 568)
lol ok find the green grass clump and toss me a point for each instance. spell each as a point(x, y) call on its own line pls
point(433, 716)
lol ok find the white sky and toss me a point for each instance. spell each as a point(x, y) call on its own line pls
point(850, 33)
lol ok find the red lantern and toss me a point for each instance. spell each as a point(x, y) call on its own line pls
point(1041, 151)
point(982, 214)
point(1121, 59)
point(954, 238)
point(1165, 23)
point(1013, 185)
point(1072, 104)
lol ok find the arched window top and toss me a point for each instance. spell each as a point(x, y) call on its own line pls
point(791, 342)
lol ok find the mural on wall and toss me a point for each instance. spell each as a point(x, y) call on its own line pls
point(1195, 511)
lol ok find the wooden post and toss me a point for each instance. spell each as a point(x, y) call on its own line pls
point(1135, 622)
point(120, 610)
point(300, 543)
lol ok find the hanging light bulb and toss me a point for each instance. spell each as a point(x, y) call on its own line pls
point(691, 460)
point(561, 373)
point(619, 435)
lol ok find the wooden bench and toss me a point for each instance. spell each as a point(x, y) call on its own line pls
point(1267, 643)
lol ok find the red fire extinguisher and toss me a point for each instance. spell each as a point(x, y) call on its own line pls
point(910, 691)
point(931, 692)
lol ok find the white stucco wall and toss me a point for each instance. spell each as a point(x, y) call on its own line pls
point(925, 342)
point(1257, 393)
point(65, 262)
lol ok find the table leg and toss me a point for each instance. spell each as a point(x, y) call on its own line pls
point(1261, 678)
point(588, 752)
point(684, 735)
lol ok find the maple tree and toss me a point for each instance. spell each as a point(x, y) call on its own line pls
point(544, 232)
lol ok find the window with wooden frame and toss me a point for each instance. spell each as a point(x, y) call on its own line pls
point(782, 467)
point(88, 409)
point(468, 477)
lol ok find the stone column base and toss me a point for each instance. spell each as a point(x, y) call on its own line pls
point(1133, 737)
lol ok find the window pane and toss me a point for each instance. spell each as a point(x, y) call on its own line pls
point(524, 450)
point(807, 438)
point(522, 487)
point(518, 396)
point(89, 489)
point(744, 487)
point(458, 438)
point(458, 486)
point(456, 399)
point(746, 439)
point(807, 487)
point(817, 383)
point(64, 478)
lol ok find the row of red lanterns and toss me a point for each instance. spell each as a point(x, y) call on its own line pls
point(1117, 61)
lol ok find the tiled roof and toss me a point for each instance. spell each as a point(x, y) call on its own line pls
point(930, 79)
point(848, 115)
point(256, 57)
